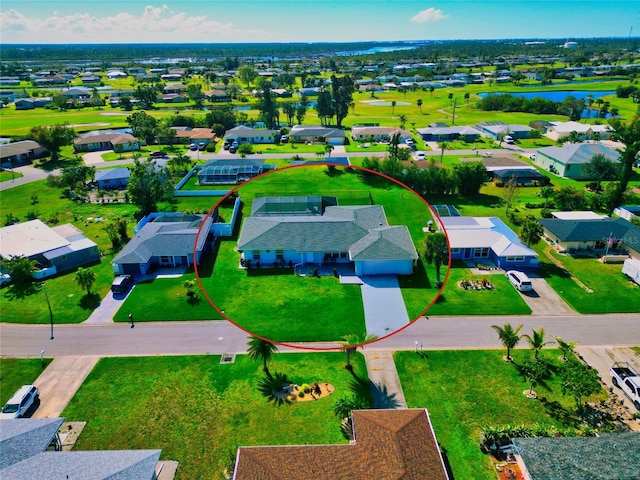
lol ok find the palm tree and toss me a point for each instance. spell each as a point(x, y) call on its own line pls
point(345, 405)
point(566, 347)
point(403, 120)
point(466, 97)
point(328, 148)
point(508, 336)
point(436, 251)
point(85, 277)
point(431, 89)
point(419, 103)
point(351, 342)
point(536, 341)
point(393, 107)
point(273, 387)
point(261, 349)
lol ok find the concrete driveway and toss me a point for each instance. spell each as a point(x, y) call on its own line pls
point(544, 300)
point(59, 383)
point(602, 359)
point(384, 308)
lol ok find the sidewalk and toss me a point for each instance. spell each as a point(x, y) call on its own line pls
point(383, 377)
point(59, 383)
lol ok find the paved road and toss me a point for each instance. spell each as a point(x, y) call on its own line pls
point(29, 174)
point(215, 337)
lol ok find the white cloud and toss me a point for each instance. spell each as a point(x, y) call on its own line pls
point(153, 24)
point(428, 15)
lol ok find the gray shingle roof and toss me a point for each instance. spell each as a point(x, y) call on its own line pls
point(87, 465)
point(161, 238)
point(607, 457)
point(25, 437)
point(385, 243)
point(591, 230)
point(579, 153)
point(295, 205)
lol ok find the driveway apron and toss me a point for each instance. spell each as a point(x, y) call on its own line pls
point(384, 308)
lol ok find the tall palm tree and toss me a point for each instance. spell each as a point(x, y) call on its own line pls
point(536, 341)
point(393, 107)
point(351, 342)
point(261, 349)
point(85, 277)
point(436, 251)
point(508, 336)
point(274, 387)
point(466, 97)
point(403, 120)
point(431, 89)
point(566, 347)
point(419, 103)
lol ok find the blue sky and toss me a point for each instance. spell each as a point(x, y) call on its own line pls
point(221, 21)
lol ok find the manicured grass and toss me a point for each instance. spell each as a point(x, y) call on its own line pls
point(69, 302)
point(14, 373)
point(7, 176)
point(467, 390)
point(612, 291)
point(198, 411)
point(502, 300)
point(166, 299)
point(281, 306)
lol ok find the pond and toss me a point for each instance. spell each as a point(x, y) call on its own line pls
point(555, 95)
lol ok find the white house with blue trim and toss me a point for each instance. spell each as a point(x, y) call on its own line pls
point(478, 239)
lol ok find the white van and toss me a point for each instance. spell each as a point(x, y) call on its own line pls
point(520, 280)
point(20, 402)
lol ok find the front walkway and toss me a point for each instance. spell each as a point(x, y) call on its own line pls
point(384, 308)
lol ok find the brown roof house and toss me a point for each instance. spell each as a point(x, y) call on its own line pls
point(388, 445)
point(106, 140)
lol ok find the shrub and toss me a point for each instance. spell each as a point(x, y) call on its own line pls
point(211, 147)
point(546, 213)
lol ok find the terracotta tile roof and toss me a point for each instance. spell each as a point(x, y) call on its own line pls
point(389, 445)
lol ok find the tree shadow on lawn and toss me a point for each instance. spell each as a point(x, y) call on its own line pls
point(548, 270)
point(375, 181)
point(556, 411)
point(89, 302)
point(20, 291)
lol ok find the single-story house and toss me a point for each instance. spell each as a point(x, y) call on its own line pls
point(309, 91)
point(378, 134)
point(387, 445)
point(497, 130)
point(165, 240)
point(244, 134)
point(114, 74)
point(112, 178)
point(90, 79)
point(31, 448)
point(8, 95)
point(235, 171)
point(31, 103)
point(56, 249)
point(604, 456)
point(281, 92)
point(359, 235)
point(19, 153)
point(317, 134)
point(77, 93)
point(600, 234)
point(440, 134)
point(628, 212)
point(172, 98)
point(105, 140)
point(528, 177)
point(560, 130)
point(175, 88)
point(194, 135)
point(50, 80)
point(218, 96)
point(474, 239)
point(569, 160)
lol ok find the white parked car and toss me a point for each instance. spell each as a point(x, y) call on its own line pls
point(20, 402)
point(420, 156)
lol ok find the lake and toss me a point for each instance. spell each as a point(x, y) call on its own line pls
point(555, 95)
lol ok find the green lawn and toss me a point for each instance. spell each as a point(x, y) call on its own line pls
point(612, 291)
point(14, 373)
point(7, 176)
point(502, 300)
point(467, 390)
point(166, 299)
point(198, 411)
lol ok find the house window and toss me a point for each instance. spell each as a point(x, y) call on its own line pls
point(455, 250)
point(164, 259)
point(256, 254)
point(343, 255)
point(517, 258)
point(599, 244)
point(481, 252)
point(279, 254)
